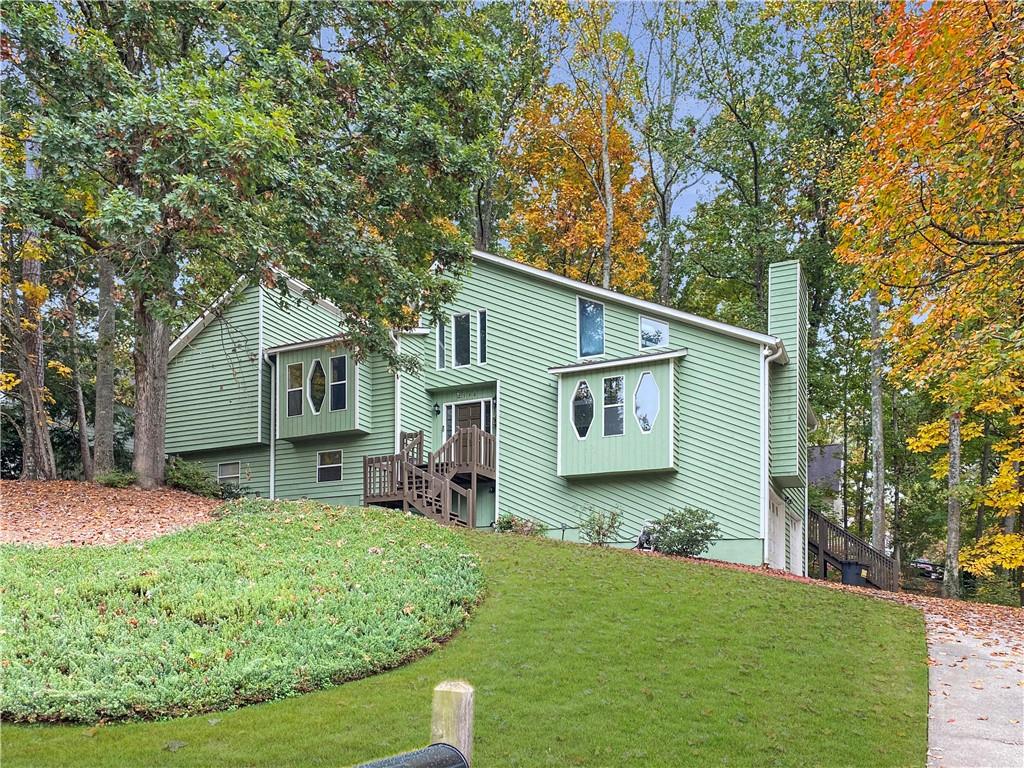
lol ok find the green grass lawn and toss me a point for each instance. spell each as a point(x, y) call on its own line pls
point(582, 656)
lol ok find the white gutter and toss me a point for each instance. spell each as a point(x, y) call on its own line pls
point(259, 368)
point(618, 363)
point(397, 340)
point(769, 354)
point(273, 424)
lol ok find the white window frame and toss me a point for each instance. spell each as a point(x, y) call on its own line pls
point(331, 383)
point(481, 337)
point(640, 332)
point(636, 418)
point(449, 408)
point(340, 466)
point(579, 327)
point(572, 410)
point(441, 356)
point(309, 388)
point(605, 406)
point(289, 389)
point(455, 345)
point(237, 477)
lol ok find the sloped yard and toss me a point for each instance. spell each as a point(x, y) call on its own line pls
point(583, 656)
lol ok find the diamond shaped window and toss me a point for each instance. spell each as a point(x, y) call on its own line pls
point(317, 386)
point(582, 409)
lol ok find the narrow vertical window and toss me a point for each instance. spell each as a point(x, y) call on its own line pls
point(449, 421)
point(646, 401)
point(294, 389)
point(328, 466)
point(653, 333)
point(339, 383)
point(461, 340)
point(487, 419)
point(590, 318)
point(317, 386)
point(614, 406)
point(442, 354)
point(582, 409)
point(228, 473)
point(481, 336)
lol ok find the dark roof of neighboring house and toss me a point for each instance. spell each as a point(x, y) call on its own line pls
point(825, 466)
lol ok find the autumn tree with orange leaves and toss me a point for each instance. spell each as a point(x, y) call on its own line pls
point(935, 224)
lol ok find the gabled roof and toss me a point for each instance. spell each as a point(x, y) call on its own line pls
point(594, 365)
point(647, 306)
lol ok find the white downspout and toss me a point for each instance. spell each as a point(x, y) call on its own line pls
point(768, 356)
point(397, 341)
point(273, 422)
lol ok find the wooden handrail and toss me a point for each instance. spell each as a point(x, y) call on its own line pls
point(831, 539)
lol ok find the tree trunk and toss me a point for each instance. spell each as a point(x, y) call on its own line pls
point(151, 353)
point(861, 501)
point(877, 432)
point(664, 246)
point(103, 439)
point(609, 195)
point(81, 419)
point(37, 460)
point(951, 578)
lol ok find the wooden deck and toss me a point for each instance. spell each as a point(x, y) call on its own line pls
point(832, 545)
point(441, 485)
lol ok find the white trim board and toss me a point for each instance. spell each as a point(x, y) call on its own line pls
point(646, 306)
point(621, 361)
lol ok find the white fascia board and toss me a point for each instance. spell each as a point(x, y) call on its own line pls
point(199, 324)
point(618, 363)
point(649, 307)
point(304, 344)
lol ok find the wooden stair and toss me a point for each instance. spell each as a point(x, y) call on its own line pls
point(441, 485)
point(832, 545)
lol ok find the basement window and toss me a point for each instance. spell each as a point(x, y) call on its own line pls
point(328, 466)
point(294, 389)
point(317, 386)
point(339, 383)
point(228, 473)
point(614, 406)
point(460, 324)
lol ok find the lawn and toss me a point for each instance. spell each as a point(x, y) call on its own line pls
point(583, 656)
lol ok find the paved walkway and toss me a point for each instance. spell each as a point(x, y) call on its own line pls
point(975, 692)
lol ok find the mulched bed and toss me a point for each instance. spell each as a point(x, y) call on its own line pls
point(59, 512)
point(995, 624)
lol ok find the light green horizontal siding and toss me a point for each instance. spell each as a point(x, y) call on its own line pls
point(416, 403)
point(310, 423)
point(531, 327)
point(213, 381)
point(254, 460)
point(787, 319)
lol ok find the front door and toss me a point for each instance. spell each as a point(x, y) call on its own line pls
point(469, 415)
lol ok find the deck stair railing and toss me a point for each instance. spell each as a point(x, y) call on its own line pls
point(834, 545)
point(430, 484)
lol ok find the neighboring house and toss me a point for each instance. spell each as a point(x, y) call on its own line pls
point(825, 471)
point(539, 396)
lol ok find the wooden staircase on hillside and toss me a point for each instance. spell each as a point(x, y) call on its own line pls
point(441, 485)
point(831, 544)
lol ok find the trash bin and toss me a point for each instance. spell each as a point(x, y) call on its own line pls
point(853, 573)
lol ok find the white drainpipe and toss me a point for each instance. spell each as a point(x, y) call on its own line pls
point(769, 354)
point(273, 421)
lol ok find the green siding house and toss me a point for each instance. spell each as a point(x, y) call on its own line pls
point(538, 395)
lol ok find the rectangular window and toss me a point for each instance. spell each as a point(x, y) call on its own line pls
point(488, 420)
point(653, 333)
point(590, 319)
point(442, 354)
point(481, 336)
point(328, 466)
point(449, 421)
point(339, 383)
point(295, 389)
point(614, 406)
point(228, 473)
point(461, 334)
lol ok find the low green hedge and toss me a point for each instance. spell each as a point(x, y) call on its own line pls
point(271, 600)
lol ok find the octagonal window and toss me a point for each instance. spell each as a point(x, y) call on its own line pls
point(317, 386)
point(646, 401)
point(582, 409)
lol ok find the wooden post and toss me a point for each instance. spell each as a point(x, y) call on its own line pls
point(452, 721)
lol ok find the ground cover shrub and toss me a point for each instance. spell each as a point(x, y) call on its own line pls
point(117, 478)
point(601, 526)
point(509, 523)
point(191, 476)
point(688, 531)
point(272, 600)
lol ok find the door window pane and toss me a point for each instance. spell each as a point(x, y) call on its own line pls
point(647, 401)
point(614, 406)
point(591, 327)
point(582, 409)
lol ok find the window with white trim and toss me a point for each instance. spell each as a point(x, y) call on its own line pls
point(614, 406)
point(646, 402)
point(229, 473)
point(339, 383)
point(317, 386)
point(582, 409)
point(590, 326)
point(294, 389)
point(481, 336)
point(328, 466)
point(460, 336)
point(653, 333)
point(442, 354)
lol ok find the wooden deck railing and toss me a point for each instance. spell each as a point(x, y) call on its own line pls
point(831, 540)
point(470, 449)
point(411, 444)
